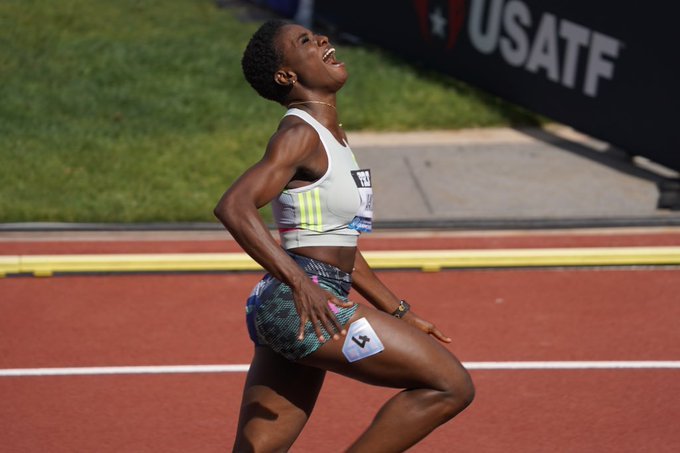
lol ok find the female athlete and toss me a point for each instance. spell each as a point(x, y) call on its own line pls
point(299, 315)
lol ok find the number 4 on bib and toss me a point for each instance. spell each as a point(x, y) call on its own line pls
point(361, 341)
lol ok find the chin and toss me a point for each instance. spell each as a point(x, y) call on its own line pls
point(340, 79)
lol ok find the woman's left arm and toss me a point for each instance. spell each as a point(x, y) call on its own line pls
point(367, 283)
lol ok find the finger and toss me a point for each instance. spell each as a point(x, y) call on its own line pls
point(340, 302)
point(316, 323)
point(301, 331)
point(326, 320)
point(439, 335)
point(333, 307)
point(334, 324)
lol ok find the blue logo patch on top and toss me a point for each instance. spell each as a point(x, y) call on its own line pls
point(363, 221)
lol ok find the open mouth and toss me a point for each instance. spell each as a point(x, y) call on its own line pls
point(328, 57)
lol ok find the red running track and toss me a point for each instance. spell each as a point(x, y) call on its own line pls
point(219, 243)
point(493, 315)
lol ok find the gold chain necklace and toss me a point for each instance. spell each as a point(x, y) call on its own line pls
point(311, 102)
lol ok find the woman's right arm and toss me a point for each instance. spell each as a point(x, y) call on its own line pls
point(288, 150)
point(238, 211)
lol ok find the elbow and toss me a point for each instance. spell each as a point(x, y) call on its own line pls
point(219, 212)
point(234, 212)
point(223, 210)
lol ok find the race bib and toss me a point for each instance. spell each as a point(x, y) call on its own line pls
point(361, 341)
point(363, 221)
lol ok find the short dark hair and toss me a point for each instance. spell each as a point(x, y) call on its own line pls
point(262, 59)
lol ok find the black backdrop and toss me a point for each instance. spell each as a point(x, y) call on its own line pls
point(609, 68)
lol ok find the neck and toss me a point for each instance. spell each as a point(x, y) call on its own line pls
point(327, 104)
point(324, 112)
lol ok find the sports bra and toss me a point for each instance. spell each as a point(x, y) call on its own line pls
point(333, 210)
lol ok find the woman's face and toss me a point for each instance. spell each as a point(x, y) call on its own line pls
point(311, 58)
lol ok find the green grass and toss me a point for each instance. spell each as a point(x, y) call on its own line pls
point(136, 111)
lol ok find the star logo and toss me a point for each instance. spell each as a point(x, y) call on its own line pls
point(440, 20)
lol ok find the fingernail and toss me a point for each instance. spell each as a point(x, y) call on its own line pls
point(336, 337)
point(343, 331)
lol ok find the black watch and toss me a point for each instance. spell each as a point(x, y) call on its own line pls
point(402, 309)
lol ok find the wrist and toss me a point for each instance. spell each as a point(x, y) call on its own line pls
point(402, 309)
point(297, 281)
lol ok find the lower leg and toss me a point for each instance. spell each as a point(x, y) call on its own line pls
point(278, 399)
point(410, 416)
point(438, 386)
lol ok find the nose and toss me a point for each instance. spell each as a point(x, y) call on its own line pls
point(321, 40)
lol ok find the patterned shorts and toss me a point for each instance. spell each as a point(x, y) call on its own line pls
point(273, 320)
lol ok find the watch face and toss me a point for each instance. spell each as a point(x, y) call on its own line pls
point(401, 309)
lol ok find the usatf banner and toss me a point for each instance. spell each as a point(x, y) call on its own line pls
point(609, 68)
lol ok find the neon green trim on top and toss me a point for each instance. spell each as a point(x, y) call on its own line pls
point(317, 200)
point(310, 210)
point(303, 210)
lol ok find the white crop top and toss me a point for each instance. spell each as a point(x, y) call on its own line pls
point(331, 211)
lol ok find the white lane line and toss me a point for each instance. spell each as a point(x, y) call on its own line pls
point(575, 365)
point(242, 368)
point(80, 371)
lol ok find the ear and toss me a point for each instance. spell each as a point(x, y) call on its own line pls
point(285, 78)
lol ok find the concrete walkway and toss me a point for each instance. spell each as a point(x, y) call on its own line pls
point(508, 177)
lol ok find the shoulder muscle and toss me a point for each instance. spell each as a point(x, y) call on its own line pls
point(293, 144)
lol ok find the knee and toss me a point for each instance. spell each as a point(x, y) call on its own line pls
point(456, 395)
point(263, 443)
point(466, 392)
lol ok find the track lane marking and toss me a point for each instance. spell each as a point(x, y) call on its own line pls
point(428, 260)
point(242, 368)
point(152, 369)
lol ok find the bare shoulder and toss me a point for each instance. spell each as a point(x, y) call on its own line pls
point(294, 141)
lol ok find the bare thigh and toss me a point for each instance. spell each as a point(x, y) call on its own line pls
point(278, 399)
point(411, 359)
